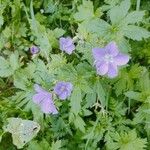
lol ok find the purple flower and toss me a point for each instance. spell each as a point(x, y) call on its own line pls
point(44, 100)
point(34, 49)
point(67, 45)
point(108, 59)
point(63, 89)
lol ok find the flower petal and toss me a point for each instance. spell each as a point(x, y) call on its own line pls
point(63, 95)
point(48, 107)
point(69, 86)
point(102, 68)
point(38, 89)
point(112, 71)
point(112, 49)
point(68, 41)
point(98, 53)
point(67, 45)
point(37, 98)
point(70, 49)
point(121, 59)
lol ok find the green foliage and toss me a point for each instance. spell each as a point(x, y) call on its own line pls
point(10, 65)
point(126, 141)
point(85, 11)
point(100, 113)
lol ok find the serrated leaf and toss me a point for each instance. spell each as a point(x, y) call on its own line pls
point(100, 93)
point(135, 32)
point(85, 11)
point(76, 99)
point(97, 26)
point(117, 13)
point(79, 123)
point(1, 20)
point(22, 131)
point(134, 17)
point(124, 45)
point(133, 95)
point(56, 145)
point(5, 68)
point(14, 61)
point(58, 32)
point(126, 141)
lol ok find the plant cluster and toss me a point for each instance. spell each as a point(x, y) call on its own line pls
point(74, 74)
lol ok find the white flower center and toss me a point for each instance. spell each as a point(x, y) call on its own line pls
point(62, 88)
point(108, 58)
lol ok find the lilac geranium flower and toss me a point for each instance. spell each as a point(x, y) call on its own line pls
point(63, 89)
point(108, 59)
point(67, 45)
point(44, 100)
point(34, 49)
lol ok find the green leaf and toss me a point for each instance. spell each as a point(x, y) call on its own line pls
point(1, 20)
point(100, 93)
point(126, 141)
point(22, 131)
point(58, 32)
point(56, 145)
point(79, 123)
point(134, 17)
point(36, 145)
point(41, 34)
point(117, 13)
point(14, 61)
point(124, 45)
point(98, 26)
point(85, 11)
point(135, 33)
point(5, 68)
point(76, 99)
point(133, 95)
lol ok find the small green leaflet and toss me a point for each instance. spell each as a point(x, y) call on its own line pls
point(85, 11)
point(135, 33)
point(76, 99)
point(9, 66)
point(22, 131)
point(100, 93)
point(56, 145)
point(126, 141)
point(117, 13)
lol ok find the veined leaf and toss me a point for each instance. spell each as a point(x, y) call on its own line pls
point(135, 32)
point(1, 20)
point(22, 131)
point(56, 145)
point(5, 68)
point(134, 17)
point(117, 13)
point(76, 99)
point(85, 11)
point(100, 93)
point(14, 63)
point(79, 123)
point(133, 95)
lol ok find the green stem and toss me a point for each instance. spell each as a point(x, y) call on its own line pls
point(87, 142)
point(138, 5)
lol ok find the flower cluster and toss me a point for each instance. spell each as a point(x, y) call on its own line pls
point(108, 59)
point(44, 98)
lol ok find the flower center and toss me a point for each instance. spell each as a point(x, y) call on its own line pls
point(62, 88)
point(108, 58)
